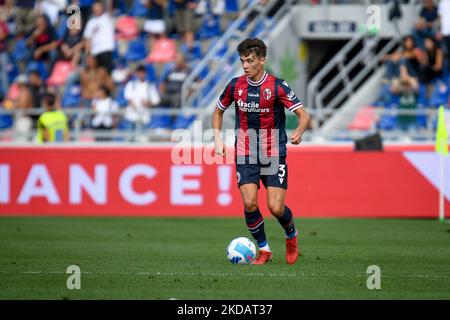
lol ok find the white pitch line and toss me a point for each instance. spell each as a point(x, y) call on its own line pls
point(172, 274)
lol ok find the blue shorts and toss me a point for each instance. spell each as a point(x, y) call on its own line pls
point(271, 175)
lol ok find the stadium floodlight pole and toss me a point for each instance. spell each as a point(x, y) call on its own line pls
point(442, 150)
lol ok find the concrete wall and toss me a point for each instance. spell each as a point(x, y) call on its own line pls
point(344, 21)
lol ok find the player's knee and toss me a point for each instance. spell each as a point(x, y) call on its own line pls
point(250, 205)
point(276, 208)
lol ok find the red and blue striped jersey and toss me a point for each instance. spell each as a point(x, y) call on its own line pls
point(260, 113)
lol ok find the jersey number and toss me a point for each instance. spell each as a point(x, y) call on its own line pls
point(282, 170)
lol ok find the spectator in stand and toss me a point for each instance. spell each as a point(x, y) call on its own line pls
point(51, 9)
point(85, 10)
point(185, 21)
point(23, 103)
point(43, 40)
point(444, 33)
point(407, 88)
point(170, 87)
point(155, 24)
point(141, 95)
point(4, 60)
point(99, 36)
point(106, 110)
point(426, 25)
point(6, 8)
point(52, 125)
point(407, 57)
point(71, 46)
point(431, 61)
point(91, 78)
point(25, 17)
point(24, 98)
point(37, 89)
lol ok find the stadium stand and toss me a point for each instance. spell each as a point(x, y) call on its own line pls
point(212, 60)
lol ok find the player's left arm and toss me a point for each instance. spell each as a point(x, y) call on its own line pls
point(303, 119)
point(290, 101)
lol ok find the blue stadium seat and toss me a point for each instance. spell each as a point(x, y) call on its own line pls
point(222, 50)
point(194, 54)
point(138, 9)
point(210, 27)
point(136, 51)
point(244, 25)
point(183, 122)
point(120, 98)
point(21, 52)
point(421, 119)
point(422, 97)
point(171, 8)
point(160, 121)
point(6, 121)
point(167, 68)
point(151, 72)
point(446, 74)
point(232, 6)
point(124, 125)
point(38, 66)
point(116, 55)
point(120, 8)
point(387, 122)
point(257, 29)
point(440, 94)
point(71, 97)
point(395, 100)
point(62, 28)
point(422, 104)
point(204, 72)
point(13, 71)
point(385, 96)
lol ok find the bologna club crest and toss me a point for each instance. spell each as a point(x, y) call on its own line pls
point(267, 93)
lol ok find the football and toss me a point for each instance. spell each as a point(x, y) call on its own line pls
point(241, 251)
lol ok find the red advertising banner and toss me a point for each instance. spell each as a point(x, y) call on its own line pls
point(146, 181)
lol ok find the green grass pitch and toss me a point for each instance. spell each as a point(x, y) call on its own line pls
point(184, 258)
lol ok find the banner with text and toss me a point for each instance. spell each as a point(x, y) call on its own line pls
point(123, 181)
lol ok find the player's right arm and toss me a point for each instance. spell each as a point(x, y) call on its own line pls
point(217, 128)
point(225, 100)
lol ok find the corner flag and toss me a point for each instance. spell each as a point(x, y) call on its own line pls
point(442, 149)
point(441, 134)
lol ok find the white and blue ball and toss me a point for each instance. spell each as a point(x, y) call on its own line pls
point(241, 251)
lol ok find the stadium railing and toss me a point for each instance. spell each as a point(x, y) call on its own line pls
point(80, 132)
point(321, 96)
point(223, 65)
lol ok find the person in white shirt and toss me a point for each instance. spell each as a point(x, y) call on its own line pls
point(106, 110)
point(141, 95)
point(444, 34)
point(99, 36)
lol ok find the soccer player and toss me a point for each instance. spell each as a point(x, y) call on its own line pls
point(260, 99)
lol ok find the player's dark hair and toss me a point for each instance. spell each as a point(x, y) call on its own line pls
point(252, 45)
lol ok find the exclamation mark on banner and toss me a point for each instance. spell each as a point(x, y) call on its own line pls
point(224, 174)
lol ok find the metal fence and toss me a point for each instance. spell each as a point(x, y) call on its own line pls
point(80, 130)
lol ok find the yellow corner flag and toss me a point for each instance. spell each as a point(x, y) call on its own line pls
point(441, 134)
